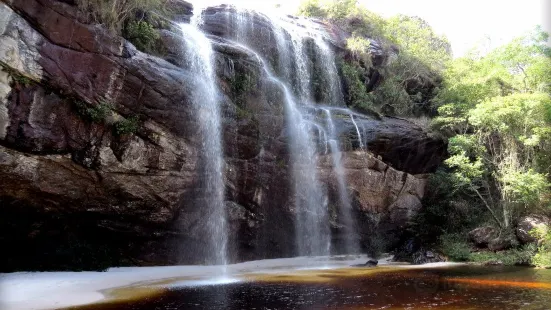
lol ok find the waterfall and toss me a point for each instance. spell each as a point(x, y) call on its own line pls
point(357, 131)
point(297, 58)
point(345, 211)
point(310, 200)
point(199, 58)
point(336, 97)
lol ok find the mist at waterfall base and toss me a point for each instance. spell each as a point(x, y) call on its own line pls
point(424, 287)
point(310, 130)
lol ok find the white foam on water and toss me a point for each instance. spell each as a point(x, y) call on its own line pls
point(50, 290)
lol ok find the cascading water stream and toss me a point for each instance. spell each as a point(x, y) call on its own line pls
point(199, 58)
point(301, 53)
point(351, 245)
point(357, 131)
point(311, 224)
point(336, 97)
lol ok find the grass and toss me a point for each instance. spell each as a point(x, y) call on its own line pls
point(518, 256)
point(456, 248)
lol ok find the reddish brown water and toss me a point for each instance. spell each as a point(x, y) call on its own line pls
point(464, 287)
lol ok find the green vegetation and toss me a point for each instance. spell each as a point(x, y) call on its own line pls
point(242, 84)
point(499, 130)
point(360, 48)
point(542, 257)
point(456, 248)
point(142, 35)
point(16, 76)
point(137, 21)
point(412, 76)
point(97, 113)
point(113, 14)
point(494, 109)
point(356, 93)
point(126, 126)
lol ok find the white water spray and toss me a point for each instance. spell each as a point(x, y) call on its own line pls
point(199, 58)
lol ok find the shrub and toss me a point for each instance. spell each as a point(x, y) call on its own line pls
point(126, 126)
point(312, 8)
point(356, 93)
point(518, 256)
point(455, 247)
point(360, 48)
point(114, 13)
point(96, 114)
point(542, 258)
point(142, 35)
point(17, 78)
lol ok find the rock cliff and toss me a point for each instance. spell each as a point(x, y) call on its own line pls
point(77, 191)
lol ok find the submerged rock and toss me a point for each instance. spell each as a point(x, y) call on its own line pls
point(369, 263)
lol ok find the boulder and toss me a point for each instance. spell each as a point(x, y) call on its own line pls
point(413, 252)
point(502, 243)
point(482, 236)
point(528, 223)
point(424, 256)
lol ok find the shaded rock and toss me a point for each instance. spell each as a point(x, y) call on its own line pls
point(527, 224)
point(423, 256)
point(180, 11)
point(481, 236)
point(384, 199)
point(502, 243)
point(412, 251)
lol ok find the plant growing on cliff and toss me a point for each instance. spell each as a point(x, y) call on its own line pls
point(360, 48)
point(142, 35)
point(312, 8)
point(409, 78)
point(357, 95)
point(114, 13)
point(97, 113)
point(16, 77)
point(126, 126)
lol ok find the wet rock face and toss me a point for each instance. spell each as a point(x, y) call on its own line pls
point(71, 187)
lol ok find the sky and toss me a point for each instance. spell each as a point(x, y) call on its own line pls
point(465, 23)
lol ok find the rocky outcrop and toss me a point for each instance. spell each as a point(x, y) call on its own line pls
point(412, 251)
point(482, 236)
point(528, 223)
point(82, 194)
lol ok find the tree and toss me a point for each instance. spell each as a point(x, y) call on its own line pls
point(498, 113)
point(415, 36)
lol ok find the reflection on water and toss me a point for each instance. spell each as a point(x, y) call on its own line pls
point(464, 287)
